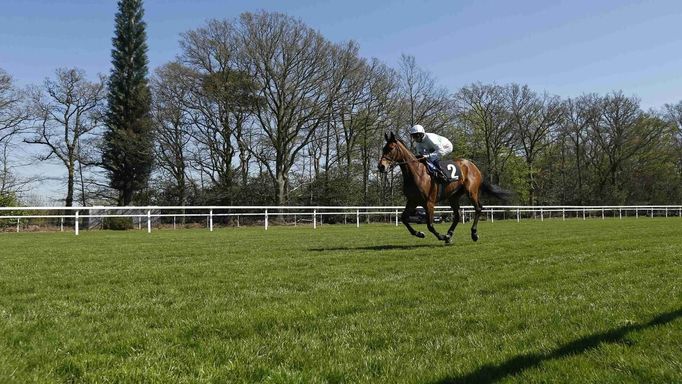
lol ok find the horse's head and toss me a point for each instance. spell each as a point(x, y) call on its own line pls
point(391, 152)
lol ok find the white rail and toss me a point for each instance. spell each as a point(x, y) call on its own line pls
point(313, 213)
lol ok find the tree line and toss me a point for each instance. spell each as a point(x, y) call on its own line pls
point(263, 109)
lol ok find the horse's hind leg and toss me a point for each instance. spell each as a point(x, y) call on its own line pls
point(409, 208)
point(430, 208)
point(478, 208)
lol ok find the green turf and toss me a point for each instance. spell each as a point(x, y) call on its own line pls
point(531, 302)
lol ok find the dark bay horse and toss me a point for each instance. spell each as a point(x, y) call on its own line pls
point(422, 190)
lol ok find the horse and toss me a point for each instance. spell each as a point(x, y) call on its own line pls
point(421, 189)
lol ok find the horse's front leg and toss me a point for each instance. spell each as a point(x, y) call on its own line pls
point(405, 219)
point(430, 209)
point(455, 220)
point(454, 203)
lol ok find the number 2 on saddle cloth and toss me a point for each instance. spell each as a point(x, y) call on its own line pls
point(447, 168)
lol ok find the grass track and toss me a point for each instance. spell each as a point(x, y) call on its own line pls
point(531, 302)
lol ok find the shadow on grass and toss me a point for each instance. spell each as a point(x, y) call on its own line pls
point(491, 373)
point(386, 247)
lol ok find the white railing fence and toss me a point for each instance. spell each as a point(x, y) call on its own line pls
point(58, 218)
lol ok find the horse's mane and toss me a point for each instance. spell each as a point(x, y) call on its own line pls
point(405, 148)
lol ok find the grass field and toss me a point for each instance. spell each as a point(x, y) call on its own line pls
point(531, 302)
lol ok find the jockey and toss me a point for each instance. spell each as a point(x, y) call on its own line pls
point(431, 147)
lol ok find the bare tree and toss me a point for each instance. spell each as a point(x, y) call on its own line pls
point(482, 110)
point(12, 185)
point(353, 105)
point(375, 119)
point(172, 127)
point(209, 53)
point(581, 114)
point(13, 116)
point(535, 121)
point(673, 113)
point(422, 100)
point(293, 68)
point(345, 88)
point(220, 103)
point(13, 112)
point(67, 109)
point(335, 139)
point(623, 131)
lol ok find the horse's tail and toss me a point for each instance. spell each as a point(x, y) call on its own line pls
point(495, 190)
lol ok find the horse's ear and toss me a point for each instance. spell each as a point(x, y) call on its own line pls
point(392, 136)
point(386, 136)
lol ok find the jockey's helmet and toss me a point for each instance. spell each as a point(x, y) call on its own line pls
point(417, 132)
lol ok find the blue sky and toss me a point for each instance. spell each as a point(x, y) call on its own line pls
point(562, 47)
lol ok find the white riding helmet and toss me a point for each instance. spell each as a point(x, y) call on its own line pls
point(416, 129)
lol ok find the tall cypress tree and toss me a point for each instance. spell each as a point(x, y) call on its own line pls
point(127, 153)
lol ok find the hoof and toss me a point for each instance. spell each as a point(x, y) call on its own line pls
point(474, 236)
point(448, 239)
point(420, 235)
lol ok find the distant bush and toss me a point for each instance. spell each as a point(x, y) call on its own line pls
point(8, 200)
point(118, 223)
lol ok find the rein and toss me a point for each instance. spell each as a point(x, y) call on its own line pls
point(396, 162)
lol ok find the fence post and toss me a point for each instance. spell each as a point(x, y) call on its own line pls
point(61, 224)
point(583, 213)
point(636, 213)
point(666, 211)
point(314, 218)
point(18, 225)
point(149, 221)
point(396, 217)
point(237, 221)
point(76, 226)
point(602, 213)
point(492, 215)
point(620, 213)
point(266, 219)
point(563, 214)
point(210, 220)
point(357, 218)
point(174, 222)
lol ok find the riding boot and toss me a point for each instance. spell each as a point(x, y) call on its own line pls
point(438, 172)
